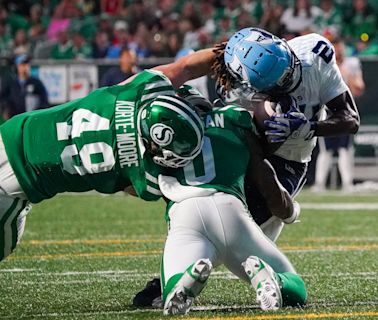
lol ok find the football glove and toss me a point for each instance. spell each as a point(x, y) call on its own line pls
point(296, 212)
point(290, 125)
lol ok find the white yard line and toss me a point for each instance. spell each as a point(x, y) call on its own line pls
point(339, 206)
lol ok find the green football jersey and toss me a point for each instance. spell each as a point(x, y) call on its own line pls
point(223, 162)
point(87, 144)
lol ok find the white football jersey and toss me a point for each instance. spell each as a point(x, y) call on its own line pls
point(321, 82)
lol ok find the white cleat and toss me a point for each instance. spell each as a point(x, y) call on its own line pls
point(263, 280)
point(181, 298)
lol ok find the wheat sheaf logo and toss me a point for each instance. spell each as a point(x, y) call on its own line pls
point(161, 134)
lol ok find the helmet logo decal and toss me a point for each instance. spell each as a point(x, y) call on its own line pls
point(161, 134)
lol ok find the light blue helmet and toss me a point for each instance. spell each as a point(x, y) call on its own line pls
point(262, 61)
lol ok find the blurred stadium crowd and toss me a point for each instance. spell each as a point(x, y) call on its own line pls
point(81, 29)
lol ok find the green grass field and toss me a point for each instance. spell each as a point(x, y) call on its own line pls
point(84, 257)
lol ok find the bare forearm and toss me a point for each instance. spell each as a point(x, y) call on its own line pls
point(262, 174)
point(337, 125)
point(343, 120)
point(189, 67)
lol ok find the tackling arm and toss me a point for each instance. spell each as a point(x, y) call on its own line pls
point(189, 67)
point(261, 173)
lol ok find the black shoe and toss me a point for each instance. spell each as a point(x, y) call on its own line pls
point(150, 296)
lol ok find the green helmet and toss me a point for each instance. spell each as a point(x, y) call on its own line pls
point(173, 128)
point(195, 98)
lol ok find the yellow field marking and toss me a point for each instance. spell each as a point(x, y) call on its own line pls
point(296, 316)
point(340, 239)
point(161, 240)
point(149, 252)
point(90, 241)
point(330, 248)
point(86, 254)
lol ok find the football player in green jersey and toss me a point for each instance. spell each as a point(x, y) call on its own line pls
point(108, 141)
point(209, 223)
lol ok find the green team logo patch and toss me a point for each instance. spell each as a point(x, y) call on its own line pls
point(161, 134)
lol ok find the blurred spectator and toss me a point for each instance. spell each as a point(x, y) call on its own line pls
point(24, 92)
point(301, 17)
point(232, 10)
point(244, 20)
point(67, 9)
point(5, 39)
point(164, 7)
point(20, 44)
point(112, 7)
point(37, 22)
point(89, 7)
point(350, 68)
point(174, 44)
point(80, 48)
point(207, 15)
point(331, 18)
point(62, 17)
point(254, 8)
point(120, 41)
point(366, 46)
point(224, 29)
point(360, 21)
point(126, 68)
point(271, 18)
point(63, 48)
point(159, 45)
point(105, 26)
point(140, 44)
point(100, 45)
point(190, 33)
point(139, 12)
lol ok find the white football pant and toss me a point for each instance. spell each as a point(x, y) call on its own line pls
point(219, 228)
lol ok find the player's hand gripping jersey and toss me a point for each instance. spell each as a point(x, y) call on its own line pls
point(87, 144)
point(223, 162)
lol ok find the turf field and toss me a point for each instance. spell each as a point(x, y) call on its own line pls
point(83, 257)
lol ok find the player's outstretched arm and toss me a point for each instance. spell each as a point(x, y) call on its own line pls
point(261, 173)
point(190, 67)
point(344, 119)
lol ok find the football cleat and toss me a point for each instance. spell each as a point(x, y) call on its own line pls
point(181, 298)
point(263, 280)
point(150, 296)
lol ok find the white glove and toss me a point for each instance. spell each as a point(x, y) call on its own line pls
point(296, 212)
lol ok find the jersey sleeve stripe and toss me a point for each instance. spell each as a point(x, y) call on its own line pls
point(227, 107)
point(151, 178)
point(153, 191)
point(149, 96)
point(156, 84)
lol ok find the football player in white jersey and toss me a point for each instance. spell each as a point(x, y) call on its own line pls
point(254, 62)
